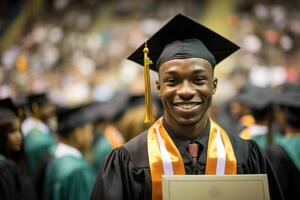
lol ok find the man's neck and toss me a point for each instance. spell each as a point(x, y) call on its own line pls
point(188, 132)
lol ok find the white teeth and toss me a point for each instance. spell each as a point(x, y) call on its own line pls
point(187, 106)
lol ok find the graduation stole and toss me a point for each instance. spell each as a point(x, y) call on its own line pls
point(245, 134)
point(113, 136)
point(164, 157)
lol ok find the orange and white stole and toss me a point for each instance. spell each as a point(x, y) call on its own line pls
point(113, 136)
point(164, 157)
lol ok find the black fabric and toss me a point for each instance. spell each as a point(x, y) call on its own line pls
point(189, 48)
point(10, 187)
point(40, 175)
point(257, 97)
point(127, 168)
point(289, 99)
point(180, 28)
point(287, 173)
point(13, 184)
point(7, 109)
point(71, 118)
point(40, 99)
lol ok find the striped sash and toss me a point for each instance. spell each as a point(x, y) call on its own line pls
point(164, 157)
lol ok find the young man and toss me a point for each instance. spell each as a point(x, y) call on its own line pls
point(68, 175)
point(38, 137)
point(184, 140)
point(284, 156)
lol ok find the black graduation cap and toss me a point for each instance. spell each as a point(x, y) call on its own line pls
point(256, 97)
point(70, 118)
point(192, 40)
point(289, 87)
point(289, 99)
point(7, 109)
point(40, 99)
point(180, 38)
point(114, 108)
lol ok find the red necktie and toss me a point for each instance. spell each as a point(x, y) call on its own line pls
point(194, 150)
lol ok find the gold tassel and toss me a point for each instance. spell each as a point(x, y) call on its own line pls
point(149, 117)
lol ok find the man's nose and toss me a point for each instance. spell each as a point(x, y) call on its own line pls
point(186, 90)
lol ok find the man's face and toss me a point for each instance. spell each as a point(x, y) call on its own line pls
point(186, 87)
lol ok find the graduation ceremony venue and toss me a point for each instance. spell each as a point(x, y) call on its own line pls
point(149, 100)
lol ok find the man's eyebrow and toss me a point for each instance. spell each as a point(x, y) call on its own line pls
point(198, 71)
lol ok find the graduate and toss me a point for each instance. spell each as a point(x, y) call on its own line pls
point(15, 182)
point(183, 141)
point(260, 102)
point(106, 134)
point(285, 156)
point(68, 175)
point(38, 136)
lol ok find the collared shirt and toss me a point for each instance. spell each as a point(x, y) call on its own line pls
point(182, 145)
point(66, 150)
point(31, 123)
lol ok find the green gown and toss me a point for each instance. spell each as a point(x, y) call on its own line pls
point(261, 137)
point(101, 149)
point(37, 144)
point(261, 140)
point(68, 178)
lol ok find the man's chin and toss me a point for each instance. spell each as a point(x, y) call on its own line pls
point(187, 121)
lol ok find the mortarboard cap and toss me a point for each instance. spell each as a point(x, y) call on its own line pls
point(39, 99)
point(180, 38)
point(7, 109)
point(289, 99)
point(70, 118)
point(256, 97)
point(191, 40)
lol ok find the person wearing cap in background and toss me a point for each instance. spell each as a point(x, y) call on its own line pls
point(184, 53)
point(234, 115)
point(117, 121)
point(15, 182)
point(106, 133)
point(68, 175)
point(285, 154)
point(260, 102)
point(38, 137)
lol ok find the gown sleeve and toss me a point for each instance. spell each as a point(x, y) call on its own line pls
point(258, 163)
point(120, 179)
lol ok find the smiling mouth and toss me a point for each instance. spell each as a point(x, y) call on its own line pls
point(187, 106)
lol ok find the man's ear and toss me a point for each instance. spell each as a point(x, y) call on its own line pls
point(157, 87)
point(214, 85)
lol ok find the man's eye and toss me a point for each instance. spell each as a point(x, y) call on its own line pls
point(171, 81)
point(199, 80)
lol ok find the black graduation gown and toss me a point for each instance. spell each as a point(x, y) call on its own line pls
point(13, 184)
point(125, 174)
point(286, 171)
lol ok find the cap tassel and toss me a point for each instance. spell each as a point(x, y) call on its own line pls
point(149, 117)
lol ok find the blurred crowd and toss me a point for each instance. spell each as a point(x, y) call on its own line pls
point(71, 58)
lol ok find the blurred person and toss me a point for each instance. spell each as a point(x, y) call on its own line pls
point(107, 135)
point(68, 175)
point(39, 138)
point(14, 172)
point(260, 102)
point(184, 53)
point(285, 155)
point(132, 123)
point(279, 116)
